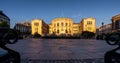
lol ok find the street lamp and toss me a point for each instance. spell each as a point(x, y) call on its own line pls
point(102, 29)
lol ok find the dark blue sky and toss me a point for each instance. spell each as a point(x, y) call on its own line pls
point(21, 10)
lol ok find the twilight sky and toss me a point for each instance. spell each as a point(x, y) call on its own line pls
point(47, 10)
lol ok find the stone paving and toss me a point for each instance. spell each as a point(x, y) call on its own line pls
point(96, 60)
point(61, 50)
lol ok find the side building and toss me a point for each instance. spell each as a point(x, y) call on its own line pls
point(105, 29)
point(24, 29)
point(88, 24)
point(4, 20)
point(40, 27)
point(116, 23)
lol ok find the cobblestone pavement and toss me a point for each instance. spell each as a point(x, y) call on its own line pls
point(61, 50)
point(99, 60)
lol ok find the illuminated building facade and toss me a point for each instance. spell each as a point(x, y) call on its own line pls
point(40, 27)
point(68, 27)
point(88, 24)
point(61, 26)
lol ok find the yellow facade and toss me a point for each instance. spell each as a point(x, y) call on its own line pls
point(89, 24)
point(40, 27)
point(61, 26)
point(76, 28)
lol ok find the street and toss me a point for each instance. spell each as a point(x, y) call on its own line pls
point(36, 50)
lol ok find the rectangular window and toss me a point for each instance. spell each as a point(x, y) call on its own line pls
point(36, 24)
point(61, 24)
point(66, 24)
point(117, 25)
point(57, 24)
point(89, 22)
point(57, 31)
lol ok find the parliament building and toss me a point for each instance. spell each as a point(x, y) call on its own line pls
point(63, 26)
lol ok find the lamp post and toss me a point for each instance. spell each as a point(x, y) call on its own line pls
point(102, 29)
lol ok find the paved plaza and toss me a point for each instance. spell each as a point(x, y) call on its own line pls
point(61, 50)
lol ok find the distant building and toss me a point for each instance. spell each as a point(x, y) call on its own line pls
point(61, 26)
point(88, 24)
point(105, 29)
point(40, 27)
point(116, 23)
point(66, 26)
point(4, 18)
point(23, 28)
